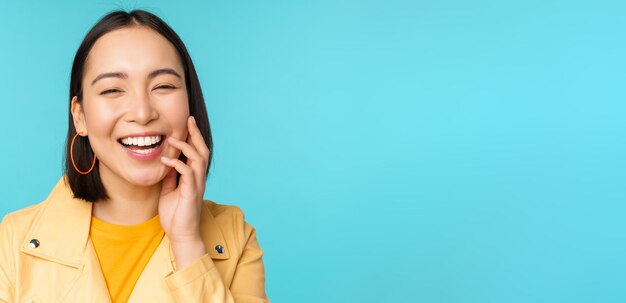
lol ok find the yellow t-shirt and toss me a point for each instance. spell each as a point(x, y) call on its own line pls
point(123, 252)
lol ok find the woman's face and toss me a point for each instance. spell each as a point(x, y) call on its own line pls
point(134, 97)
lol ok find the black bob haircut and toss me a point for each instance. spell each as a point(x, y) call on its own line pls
point(89, 187)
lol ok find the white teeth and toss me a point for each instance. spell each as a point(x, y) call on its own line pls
point(145, 151)
point(141, 141)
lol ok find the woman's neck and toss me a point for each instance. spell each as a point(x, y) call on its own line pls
point(128, 204)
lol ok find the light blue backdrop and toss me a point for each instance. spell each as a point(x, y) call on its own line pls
point(386, 151)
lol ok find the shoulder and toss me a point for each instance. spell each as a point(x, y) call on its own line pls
point(22, 219)
point(16, 225)
point(226, 216)
point(229, 221)
point(223, 211)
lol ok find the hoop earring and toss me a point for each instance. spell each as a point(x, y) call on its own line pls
point(74, 163)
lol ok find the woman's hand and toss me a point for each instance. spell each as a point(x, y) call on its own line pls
point(179, 207)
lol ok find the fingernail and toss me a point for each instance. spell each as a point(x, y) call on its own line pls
point(193, 119)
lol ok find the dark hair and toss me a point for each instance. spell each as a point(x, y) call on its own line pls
point(89, 187)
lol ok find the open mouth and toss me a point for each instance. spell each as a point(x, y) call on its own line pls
point(142, 145)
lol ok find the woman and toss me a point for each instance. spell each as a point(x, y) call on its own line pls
point(127, 222)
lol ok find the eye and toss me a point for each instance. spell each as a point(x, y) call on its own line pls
point(165, 86)
point(110, 91)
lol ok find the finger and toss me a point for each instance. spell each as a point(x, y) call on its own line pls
point(187, 149)
point(186, 172)
point(195, 160)
point(196, 138)
point(169, 183)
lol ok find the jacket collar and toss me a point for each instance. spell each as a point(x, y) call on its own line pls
point(62, 229)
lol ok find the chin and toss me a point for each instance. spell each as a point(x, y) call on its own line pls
point(147, 178)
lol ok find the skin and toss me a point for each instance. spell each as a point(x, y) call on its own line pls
point(135, 102)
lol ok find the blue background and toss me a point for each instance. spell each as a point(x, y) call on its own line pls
point(386, 151)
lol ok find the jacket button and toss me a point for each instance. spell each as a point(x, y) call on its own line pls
point(34, 243)
point(219, 249)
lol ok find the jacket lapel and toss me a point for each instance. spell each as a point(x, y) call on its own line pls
point(62, 233)
point(91, 283)
point(212, 235)
point(61, 229)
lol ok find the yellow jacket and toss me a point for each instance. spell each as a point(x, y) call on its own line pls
point(46, 256)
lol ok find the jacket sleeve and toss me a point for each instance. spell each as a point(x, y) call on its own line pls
point(7, 265)
point(201, 281)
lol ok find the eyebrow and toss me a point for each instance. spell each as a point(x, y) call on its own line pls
point(109, 75)
point(153, 74)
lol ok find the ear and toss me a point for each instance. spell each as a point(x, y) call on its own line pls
point(78, 116)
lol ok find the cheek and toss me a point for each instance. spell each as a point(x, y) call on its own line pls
point(99, 119)
point(177, 113)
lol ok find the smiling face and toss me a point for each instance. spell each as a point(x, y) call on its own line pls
point(134, 97)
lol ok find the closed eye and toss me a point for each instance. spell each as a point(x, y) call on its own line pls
point(165, 86)
point(110, 91)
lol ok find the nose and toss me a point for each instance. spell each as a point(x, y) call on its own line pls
point(141, 109)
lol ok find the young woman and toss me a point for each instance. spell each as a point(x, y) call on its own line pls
point(127, 222)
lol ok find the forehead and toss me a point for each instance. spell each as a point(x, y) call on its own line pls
point(135, 50)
